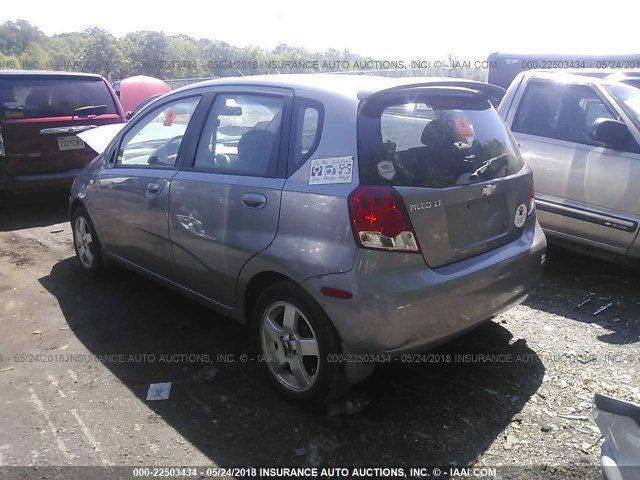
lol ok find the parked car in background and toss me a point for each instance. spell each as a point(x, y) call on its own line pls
point(630, 77)
point(504, 67)
point(41, 114)
point(133, 91)
point(138, 108)
point(619, 422)
point(343, 224)
point(581, 137)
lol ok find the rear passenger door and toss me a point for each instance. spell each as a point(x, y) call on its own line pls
point(225, 202)
point(581, 187)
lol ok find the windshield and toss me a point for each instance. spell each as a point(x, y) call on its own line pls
point(436, 142)
point(629, 99)
point(37, 97)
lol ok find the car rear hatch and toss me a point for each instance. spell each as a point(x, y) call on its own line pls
point(40, 117)
point(451, 159)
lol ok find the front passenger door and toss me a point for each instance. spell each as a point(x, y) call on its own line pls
point(133, 191)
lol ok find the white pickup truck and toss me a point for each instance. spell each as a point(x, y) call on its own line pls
point(581, 137)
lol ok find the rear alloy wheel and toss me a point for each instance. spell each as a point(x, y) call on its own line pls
point(86, 242)
point(298, 345)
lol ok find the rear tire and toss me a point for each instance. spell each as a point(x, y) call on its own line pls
point(298, 345)
point(86, 243)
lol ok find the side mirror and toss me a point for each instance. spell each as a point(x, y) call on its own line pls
point(128, 115)
point(612, 133)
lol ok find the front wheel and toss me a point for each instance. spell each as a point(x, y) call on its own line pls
point(297, 343)
point(85, 242)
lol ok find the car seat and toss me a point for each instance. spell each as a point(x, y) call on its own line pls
point(573, 121)
point(537, 118)
point(37, 102)
point(256, 152)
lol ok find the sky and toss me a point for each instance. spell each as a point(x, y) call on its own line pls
point(393, 30)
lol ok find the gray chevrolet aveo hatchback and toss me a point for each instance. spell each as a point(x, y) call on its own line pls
point(347, 220)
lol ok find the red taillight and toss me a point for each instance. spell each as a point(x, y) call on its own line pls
point(379, 219)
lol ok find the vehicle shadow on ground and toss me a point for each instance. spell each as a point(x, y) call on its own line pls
point(448, 410)
point(38, 210)
point(570, 279)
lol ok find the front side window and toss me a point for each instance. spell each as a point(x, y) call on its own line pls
point(241, 135)
point(434, 141)
point(156, 138)
point(560, 111)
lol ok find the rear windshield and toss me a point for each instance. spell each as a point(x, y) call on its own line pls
point(39, 97)
point(433, 140)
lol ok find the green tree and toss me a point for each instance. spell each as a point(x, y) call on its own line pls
point(16, 37)
point(184, 58)
point(179, 56)
point(103, 54)
point(147, 53)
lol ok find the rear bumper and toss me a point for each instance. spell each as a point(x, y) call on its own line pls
point(400, 305)
point(51, 171)
point(39, 181)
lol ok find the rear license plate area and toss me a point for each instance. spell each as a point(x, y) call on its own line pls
point(477, 221)
point(70, 143)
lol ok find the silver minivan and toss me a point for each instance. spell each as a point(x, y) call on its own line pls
point(347, 220)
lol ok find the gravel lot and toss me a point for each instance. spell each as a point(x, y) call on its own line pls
point(77, 357)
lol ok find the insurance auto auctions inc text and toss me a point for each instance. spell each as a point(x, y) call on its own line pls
point(377, 472)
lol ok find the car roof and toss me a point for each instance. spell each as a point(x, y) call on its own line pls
point(599, 72)
point(572, 76)
point(355, 86)
point(47, 73)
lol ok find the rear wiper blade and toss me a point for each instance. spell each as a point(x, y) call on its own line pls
point(89, 110)
point(486, 164)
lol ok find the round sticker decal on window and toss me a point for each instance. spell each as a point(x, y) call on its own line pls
point(521, 215)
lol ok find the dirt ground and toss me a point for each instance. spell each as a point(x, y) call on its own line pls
point(77, 356)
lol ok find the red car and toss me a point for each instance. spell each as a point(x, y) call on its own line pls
point(41, 113)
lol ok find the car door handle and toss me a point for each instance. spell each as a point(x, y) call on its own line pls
point(254, 200)
point(154, 188)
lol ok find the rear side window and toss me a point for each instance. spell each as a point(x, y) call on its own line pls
point(241, 135)
point(306, 131)
point(38, 97)
point(424, 139)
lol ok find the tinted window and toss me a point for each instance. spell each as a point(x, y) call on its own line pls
point(241, 135)
point(156, 138)
point(307, 128)
point(37, 97)
point(450, 140)
point(561, 111)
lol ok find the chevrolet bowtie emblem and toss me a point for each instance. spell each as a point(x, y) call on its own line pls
point(488, 190)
